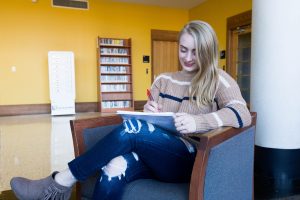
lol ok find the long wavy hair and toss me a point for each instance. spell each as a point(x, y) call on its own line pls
point(204, 84)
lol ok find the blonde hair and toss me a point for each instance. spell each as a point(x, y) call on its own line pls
point(204, 84)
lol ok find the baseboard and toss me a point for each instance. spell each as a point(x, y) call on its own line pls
point(86, 107)
point(30, 109)
point(27, 109)
point(139, 105)
point(277, 173)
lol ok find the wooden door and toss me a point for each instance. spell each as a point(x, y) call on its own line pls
point(165, 57)
point(239, 51)
point(241, 60)
point(164, 52)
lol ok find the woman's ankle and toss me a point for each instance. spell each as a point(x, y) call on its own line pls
point(65, 178)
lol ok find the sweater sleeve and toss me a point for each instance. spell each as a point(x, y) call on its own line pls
point(159, 85)
point(232, 111)
point(155, 88)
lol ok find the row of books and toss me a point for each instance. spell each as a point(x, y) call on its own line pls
point(115, 88)
point(115, 104)
point(113, 69)
point(109, 78)
point(114, 51)
point(109, 60)
point(108, 41)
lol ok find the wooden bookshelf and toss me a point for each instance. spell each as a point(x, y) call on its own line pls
point(114, 75)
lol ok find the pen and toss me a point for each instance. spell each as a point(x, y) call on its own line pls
point(150, 95)
point(151, 98)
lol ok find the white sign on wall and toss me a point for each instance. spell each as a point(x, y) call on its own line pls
point(62, 82)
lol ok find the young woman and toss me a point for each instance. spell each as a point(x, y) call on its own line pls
point(203, 98)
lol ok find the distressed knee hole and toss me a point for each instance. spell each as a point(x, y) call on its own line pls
point(115, 168)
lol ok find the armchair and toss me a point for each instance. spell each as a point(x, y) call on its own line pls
point(223, 167)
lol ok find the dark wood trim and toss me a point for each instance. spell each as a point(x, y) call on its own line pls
point(163, 35)
point(31, 109)
point(86, 107)
point(197, 181)
point(242, 19)
point(139, 105)
point(27, 109)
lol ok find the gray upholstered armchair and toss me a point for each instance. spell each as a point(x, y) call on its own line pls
point(223, 168)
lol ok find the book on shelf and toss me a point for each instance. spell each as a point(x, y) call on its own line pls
point(114, 42)
point(114, 69)
point(115, 88)
point(110, 60)
point(116, 104)
point(114, 51)
point(115, 79)
point(164, 120)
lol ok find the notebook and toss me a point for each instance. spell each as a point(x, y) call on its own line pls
point(163, 120)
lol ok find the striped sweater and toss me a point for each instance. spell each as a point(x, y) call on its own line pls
point(229, 108)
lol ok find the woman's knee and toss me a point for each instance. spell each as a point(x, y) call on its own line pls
point(122, 166)
point(111, 181)
point(115, 168)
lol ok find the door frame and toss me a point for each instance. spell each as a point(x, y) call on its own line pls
point(161, 35)
point(234, 23)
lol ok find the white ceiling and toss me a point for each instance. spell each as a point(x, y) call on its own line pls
point(186, 4)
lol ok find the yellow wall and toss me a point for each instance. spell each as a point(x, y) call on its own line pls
point(216, 12)
point(29, 30)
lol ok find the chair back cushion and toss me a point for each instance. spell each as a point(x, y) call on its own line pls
point(237, 154)
point(92, 135)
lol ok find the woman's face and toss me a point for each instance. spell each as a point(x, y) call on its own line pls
point(187, 53)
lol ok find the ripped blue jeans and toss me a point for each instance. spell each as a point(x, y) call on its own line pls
point(134, 150)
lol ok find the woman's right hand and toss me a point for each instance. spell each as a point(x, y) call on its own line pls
point(152, 106)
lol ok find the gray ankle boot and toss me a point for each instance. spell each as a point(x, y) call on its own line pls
point(43, 189)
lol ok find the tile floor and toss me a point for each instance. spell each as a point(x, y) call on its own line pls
point(33, 146)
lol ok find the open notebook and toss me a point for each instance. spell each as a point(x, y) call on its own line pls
point(163, 120)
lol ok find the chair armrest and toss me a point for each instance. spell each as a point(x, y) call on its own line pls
point(205, 142)
point(78, 126)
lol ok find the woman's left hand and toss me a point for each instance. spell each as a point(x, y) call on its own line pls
point(185, 123)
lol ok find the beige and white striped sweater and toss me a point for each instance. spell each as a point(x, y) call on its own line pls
point(229, 108)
